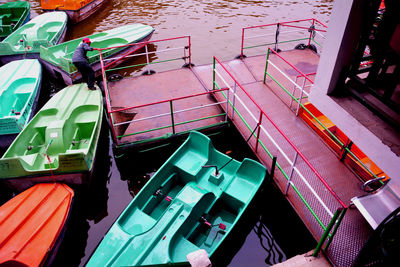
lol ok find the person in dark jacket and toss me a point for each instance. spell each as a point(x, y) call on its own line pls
point(80, 60)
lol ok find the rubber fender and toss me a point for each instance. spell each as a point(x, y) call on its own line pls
point(313, 48)
point(148, 72)
point(114, 77)
point(188, 65)
point(300, 46)
point(240, 56)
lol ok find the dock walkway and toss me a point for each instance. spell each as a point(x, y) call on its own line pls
point(249, 73)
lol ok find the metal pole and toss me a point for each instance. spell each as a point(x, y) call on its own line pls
point(258, 130)
point(266, 65)
point(294, 89)
point(277, 37)
point(291, 173)
point(241, 52)
point(190, 54)
point(336, 227)
point(147, 58)
point(234, 100)
point(311, 32)
point(325, 235)
point(273, 165)
point(172, 116)
point(301, 96)
point(214, 73)
point(227, 105)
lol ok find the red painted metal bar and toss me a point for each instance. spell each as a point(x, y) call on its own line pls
point(124, 56)
point(108, 104)
point(301, 27)
point(155, 41)
point(320, 23)
point(259, 26)
point(172, 99)
point(287, 139)
point(291, 65)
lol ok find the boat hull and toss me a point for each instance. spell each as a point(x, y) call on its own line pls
point(21, 93)
point(60, 142)
point(9, 53)
point(75, 77)
point(20, 184)
point(7, 139)
point(184, 207)
point(33, 224)
point(78, 15)
point(15, 21)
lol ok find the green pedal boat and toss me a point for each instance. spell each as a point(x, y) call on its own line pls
point(12, 16)
point(58, 59)
point(44, 30)
point(19, 93)
point(192, 202)
point(59, 143)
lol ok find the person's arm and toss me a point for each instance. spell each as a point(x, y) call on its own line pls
point(87, 47)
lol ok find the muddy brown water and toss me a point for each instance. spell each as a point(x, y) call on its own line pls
point(270, 232)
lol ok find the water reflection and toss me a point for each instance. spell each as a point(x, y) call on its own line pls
point(215, 26)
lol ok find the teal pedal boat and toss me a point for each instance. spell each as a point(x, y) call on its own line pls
point(58, 59)
point(20, 83)
point(44, 30)
point(192, 202)
point(59, 143)
point(12, 16)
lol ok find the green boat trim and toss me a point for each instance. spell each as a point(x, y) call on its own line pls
point(61, 138)
point(61, 55)
point(12, 16)
point(44, 30)
point(19, 89)
point(184, 207)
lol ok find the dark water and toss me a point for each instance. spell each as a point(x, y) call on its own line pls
point(270, 232)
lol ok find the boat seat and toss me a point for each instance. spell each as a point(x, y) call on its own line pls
point(377, 206)
point(54, 132)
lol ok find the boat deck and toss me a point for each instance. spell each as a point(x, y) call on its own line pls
point(249, 72)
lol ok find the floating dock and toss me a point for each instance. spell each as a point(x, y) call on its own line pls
point(261, 96)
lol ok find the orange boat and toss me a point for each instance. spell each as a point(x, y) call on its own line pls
point(32, 225)
point(77, 10)
point(348, 159)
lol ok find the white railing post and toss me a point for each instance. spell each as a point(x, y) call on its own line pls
point(301, 96)
point(291, 173)
point(233, 100)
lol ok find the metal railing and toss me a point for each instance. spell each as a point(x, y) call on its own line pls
point(284, 82)
point(183, 52)
point(169, 121)
point(267, 138)
point(283, 35)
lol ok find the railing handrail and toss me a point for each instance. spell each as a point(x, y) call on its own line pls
point(287, 139)
point(169, 100)
point(146, 42)
point(316, 119)
point(288, 24)
point(291, 65)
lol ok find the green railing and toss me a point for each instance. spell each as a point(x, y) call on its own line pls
point(242, 105)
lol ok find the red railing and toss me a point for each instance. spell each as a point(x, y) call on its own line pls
point(284, 136)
